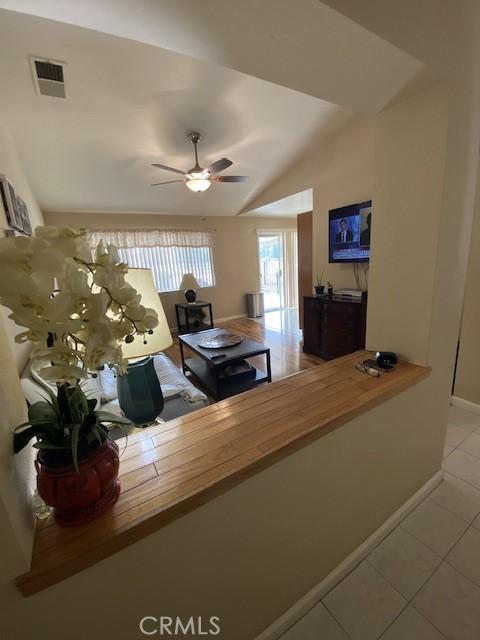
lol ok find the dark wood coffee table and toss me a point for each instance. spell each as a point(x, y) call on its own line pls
point(206, 365)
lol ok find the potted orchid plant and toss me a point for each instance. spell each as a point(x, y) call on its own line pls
point(76, 309)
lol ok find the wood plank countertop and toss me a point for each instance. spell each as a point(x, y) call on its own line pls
point(169, 469)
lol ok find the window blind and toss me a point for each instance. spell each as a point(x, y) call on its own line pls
point(167, 252)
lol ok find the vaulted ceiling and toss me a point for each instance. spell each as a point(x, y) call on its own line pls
point(131, 103)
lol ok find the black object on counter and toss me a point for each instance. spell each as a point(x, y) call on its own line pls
point(386, 358)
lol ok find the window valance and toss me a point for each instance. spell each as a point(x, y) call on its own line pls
point(136, 238)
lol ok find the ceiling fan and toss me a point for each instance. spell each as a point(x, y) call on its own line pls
point(198, 179)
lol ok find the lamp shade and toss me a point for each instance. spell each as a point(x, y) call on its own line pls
point(161, 338)
point(189, 282)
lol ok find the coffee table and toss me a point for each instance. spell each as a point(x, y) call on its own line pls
point(207, 366)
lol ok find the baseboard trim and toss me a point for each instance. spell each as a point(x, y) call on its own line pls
point(310, 599)
point(240, 315)
point(466, 404)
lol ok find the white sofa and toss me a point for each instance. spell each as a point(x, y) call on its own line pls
point(180, 395)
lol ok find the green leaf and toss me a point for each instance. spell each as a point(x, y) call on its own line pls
point(96, 432)
point(48, 445)
point(21, 439)
point(82, 398)
point(74, 436)
point(106, 416)
point(43, 411)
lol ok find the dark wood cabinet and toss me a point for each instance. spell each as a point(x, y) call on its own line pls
point(333, 326)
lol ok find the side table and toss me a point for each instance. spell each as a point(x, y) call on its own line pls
point(194, 317)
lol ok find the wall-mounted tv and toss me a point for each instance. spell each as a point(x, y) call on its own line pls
point(349, 233)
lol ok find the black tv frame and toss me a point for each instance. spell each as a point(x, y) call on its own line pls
point(343, 212)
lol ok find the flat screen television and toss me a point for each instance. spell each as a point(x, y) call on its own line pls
point(349, 233)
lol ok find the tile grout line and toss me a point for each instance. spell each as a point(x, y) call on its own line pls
point(416, 611)
point(452, 565)
point(409, 600)
point(470, 522)
point(462, 479)
point(365, 559)
point(437, 569)
point(333, 615)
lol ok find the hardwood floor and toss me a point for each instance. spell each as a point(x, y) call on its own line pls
point(277, 330)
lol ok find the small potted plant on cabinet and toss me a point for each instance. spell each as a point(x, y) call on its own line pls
point(319, 287)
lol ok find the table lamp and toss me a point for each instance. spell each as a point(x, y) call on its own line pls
point(139, 391)
point(189, 286)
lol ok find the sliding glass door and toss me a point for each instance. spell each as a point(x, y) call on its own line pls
point(277, 254)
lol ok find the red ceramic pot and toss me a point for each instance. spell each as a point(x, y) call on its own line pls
point(81, 496)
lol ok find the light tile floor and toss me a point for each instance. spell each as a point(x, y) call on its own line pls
point(422, 582)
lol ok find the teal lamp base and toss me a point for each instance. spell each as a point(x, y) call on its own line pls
point(139, 393)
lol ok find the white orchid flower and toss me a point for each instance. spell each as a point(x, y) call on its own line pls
point(62, 373)
point(83, 308)
point(76, 282)
point(149, 320)
point(96, 307)
point(125, 294)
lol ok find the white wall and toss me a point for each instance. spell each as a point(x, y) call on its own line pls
point(10, 166)
point(16, 472)
point(410, 148)
point(339, 168)
point(467, 381)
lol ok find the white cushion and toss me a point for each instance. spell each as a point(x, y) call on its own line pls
point(32, 391)
point(170, 390)
point(108, 384)
point(46, 384)
point(113, 407)
point(171, 378)
point(90, 386)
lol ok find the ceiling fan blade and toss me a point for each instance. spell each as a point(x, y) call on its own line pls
point(230, 178)
point(156, 184)
point(164, 166)
point(219, 165)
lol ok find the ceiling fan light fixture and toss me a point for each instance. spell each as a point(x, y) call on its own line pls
point(198, 184)
point(197, 178)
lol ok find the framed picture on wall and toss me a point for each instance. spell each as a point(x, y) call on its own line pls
point(23, 217)
point(9, 201)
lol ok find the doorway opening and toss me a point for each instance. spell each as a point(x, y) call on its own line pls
point(278, 261)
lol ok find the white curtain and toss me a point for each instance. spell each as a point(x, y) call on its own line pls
point(134, 238)
point(290, 268)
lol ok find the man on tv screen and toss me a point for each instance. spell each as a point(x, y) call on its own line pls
point(345, 234)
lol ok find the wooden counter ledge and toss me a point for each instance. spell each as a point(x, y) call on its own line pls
point(173, 468)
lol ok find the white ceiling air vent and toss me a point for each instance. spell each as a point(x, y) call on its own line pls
point(48, 77)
